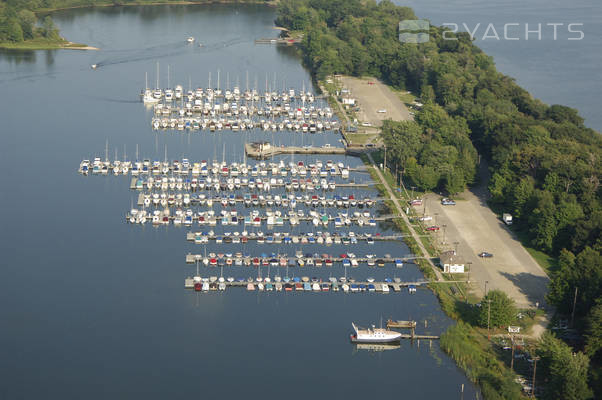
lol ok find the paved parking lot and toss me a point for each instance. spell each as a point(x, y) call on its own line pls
point(476, 228)
point(373, 96)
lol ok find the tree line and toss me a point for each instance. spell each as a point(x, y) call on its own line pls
point(18, 22)
point(545, 163)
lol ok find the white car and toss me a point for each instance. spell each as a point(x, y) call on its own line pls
point(382, 111)
point(366, 124)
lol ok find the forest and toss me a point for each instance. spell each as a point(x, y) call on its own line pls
point(18, 22)
point(545, 163)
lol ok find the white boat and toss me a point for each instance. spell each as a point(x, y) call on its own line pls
point(190, 39)
point(374, 335)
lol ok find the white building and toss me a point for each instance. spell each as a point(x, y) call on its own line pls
point(451, 263)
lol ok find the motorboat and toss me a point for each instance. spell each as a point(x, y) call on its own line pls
point(374, 335)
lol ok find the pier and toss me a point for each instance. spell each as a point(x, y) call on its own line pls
point(186, 186)
point(258, 202)
point(285, 41)
point(261, 151)
point(411, 325)
point(279, 237)
point(346, 287)
point(194, 258)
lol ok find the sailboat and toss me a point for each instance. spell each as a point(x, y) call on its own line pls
point(148, 97)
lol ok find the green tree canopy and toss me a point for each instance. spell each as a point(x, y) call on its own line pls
point(499, 308)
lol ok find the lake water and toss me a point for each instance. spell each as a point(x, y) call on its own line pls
point(560, 71)
point(94, 307)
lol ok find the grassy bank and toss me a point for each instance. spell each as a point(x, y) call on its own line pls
point(42, 44)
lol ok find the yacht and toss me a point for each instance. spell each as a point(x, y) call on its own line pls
point(374, 335)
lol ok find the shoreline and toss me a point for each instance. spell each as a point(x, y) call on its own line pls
point(32, 45)
point(272, 3)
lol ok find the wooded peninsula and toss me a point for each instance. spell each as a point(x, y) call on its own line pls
point(545, 163)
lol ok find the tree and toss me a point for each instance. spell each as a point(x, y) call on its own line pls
point(566, 371)
point(14, 31)
point(28, 20)
point(49, 30)
point(501, 311)
point(593, 331)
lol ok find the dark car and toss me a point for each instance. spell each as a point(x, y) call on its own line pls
point(485, 254)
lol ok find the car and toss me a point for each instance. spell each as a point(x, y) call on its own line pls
point(448, 202)
point(366, 124)
point(485, 254)
point(432, 228)
point(382, 111)
point(426, 218)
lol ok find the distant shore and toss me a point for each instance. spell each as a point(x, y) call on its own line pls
point(271, 3)
point(38, 44)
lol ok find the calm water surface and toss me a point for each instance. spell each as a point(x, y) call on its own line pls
point(94, 307)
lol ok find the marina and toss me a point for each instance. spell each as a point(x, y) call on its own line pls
point(254, 219)
point(231, 184)
point(296, 284)
point(187, 168)
point(179, 199)
point(300, 260)
point(288, 238)
point(128, 298)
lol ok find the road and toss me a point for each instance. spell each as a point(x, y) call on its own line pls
point(401, 212)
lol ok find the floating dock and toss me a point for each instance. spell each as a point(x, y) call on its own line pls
point(193, 258)
point(411, 325)
point(353, 287)
point(254, 151)
point(223, 186)
point(192, 236)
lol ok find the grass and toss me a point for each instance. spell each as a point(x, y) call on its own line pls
point(359, 139)
point(39, 44)
point(405, 96)
point(474, 354)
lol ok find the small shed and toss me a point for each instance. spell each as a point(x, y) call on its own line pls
point(451, 263)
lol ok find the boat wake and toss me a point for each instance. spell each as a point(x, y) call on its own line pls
point(166, 50)
point(110, 100)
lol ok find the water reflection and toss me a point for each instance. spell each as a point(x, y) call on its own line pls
point(376, 347)
point(18, 56)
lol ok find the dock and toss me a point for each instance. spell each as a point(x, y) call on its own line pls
point(193, 258)
point(354, 287)
point(411, 325)
point(285, 41)
point(260, 202)
point(191, 237)
point(223, 186)
point(264, 152)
